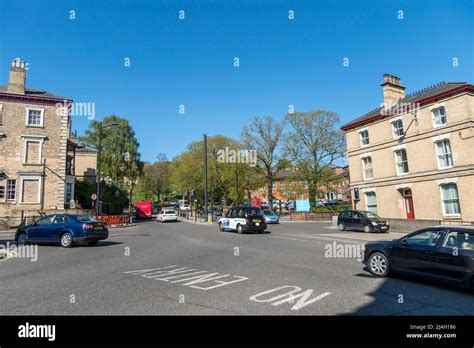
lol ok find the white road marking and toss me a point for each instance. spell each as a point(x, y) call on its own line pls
point(303, 297)
point(169, 272)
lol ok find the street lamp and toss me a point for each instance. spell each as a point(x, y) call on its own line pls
point(99, 150)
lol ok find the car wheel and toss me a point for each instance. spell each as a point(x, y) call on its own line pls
point(341, 227)
point(93, 243)
point(66, 240)
point(378, 264)
point(221, 227)
point(240, 229)
point(22, 239)
point(367, 229)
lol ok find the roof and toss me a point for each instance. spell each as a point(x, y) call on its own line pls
point(33, 92)
point(85, 149)
point(424, 96)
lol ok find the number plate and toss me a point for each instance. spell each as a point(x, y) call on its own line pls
point(257, 224)
point(256, 220)
point(98, 228)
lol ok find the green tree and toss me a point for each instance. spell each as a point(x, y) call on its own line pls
point(314, 144)
point(264, 135)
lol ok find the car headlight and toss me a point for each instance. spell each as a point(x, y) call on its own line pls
point(374, 223)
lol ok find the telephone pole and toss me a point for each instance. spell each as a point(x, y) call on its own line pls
point(205, 176)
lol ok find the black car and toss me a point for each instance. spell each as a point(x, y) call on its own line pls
point(443, 253)
point(361, 221)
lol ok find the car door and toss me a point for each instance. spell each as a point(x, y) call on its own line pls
point(54, 230)
point(233, 219)
point(356, 221)
point(414, 253)
point(454, 259)
point(38, 231)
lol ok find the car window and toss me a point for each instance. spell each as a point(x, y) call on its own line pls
point(356, 215)
point(241, 213)
point(460, 240)
point(82, 218)
point(169, 212)
point(46, 220)
point(425, 238)
point(61, 219)
point(344, 215)
point(233, 213)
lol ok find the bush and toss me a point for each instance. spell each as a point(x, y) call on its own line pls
point(113, 198)
point(332, 208)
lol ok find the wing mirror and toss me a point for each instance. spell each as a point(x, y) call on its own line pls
point(405, 242)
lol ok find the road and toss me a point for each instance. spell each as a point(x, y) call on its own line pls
point(188, 269)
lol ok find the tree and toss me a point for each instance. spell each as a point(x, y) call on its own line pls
point(314, 144)
point(119, 156)
point(264, 135)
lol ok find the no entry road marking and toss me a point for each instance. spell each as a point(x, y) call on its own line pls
point(188, 276)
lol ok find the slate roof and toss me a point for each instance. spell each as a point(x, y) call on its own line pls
point(413, 98)
point(33, 92)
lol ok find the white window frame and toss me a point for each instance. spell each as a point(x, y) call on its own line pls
point(364, 168)
point(33, 139)
point(360, 137)
point(41, 117)
point(6, 191)
point(433, 117)
point(1, 115)
point(36, 177)
point(376, 205)
point(443, 207)
point(397, 164)
point(438, 158)
point(69, 180)
point(394, 130)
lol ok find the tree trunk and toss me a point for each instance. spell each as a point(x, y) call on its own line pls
point(270, 187)
point(312, 191)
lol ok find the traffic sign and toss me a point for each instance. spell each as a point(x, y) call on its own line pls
point(94, 196)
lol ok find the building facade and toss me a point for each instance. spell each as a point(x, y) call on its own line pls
point(413, 157)
point(85, 163)
point(36, 152)
point(287, 185)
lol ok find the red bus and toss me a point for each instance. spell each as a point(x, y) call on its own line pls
point(144, 209)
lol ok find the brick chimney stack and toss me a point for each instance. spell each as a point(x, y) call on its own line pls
point(393, 89)
point(16, 83)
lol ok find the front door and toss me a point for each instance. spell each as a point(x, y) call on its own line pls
point(407, 196)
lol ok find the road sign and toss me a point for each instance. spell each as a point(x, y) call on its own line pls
point(94, 196)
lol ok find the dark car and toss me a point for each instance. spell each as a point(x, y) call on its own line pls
point(64, 229)
point(243, 219)
point(444, 253)
point(271, 217)
point(361, 221)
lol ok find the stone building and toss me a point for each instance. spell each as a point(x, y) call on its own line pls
point(36, 152)
point(413, 157)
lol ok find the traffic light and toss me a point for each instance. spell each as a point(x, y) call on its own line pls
point(356, 194)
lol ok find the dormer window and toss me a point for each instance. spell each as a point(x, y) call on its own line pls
point(439, 116)
point(364, 137)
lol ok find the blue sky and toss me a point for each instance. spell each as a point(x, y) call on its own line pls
point(190, 62)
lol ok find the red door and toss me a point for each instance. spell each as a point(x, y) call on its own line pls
point(407, 195)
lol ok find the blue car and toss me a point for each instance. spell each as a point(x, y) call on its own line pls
point(271, 217)
point(64, 229)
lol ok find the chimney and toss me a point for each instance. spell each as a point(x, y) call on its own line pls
point(16, 83)
point(393, 90)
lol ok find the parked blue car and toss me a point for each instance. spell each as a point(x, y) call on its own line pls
point(64, 229)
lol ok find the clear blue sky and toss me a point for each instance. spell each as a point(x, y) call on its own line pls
point(190, 62)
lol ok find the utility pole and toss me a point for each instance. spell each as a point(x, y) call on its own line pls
point(205, 176)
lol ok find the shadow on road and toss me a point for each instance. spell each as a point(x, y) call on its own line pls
point(408, 295)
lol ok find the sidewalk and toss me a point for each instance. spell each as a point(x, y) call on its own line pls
point(191, 221)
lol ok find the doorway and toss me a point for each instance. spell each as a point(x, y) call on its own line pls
point(408, 198)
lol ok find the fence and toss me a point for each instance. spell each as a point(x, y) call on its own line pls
point(114, 220)
point(307, 216)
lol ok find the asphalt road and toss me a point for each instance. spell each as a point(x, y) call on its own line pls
point(188, 269)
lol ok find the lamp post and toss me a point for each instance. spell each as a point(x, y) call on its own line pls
point(99, 151)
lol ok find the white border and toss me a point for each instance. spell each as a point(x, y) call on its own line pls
point(34, 125)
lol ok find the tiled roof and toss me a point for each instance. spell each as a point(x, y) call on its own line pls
point(414, 98)
point(33, 92)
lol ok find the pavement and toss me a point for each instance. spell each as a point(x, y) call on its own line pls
point(194, 269)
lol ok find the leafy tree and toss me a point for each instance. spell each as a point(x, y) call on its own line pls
point(119, 157)
point(314, 144)
point(264, 135)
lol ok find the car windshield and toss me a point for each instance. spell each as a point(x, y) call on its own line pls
point(81, 218)
point(269, 212)
point(170, 212)
point(370, 215)
point(253, 211)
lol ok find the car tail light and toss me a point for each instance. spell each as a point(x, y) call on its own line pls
point(88, 226)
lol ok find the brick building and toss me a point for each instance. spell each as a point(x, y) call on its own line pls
point(36, 152)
